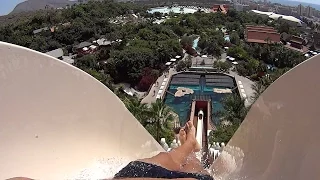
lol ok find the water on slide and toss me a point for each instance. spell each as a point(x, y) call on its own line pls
point(57, 122)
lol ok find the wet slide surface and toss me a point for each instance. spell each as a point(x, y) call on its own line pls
point(279, 138)
point(57, 122)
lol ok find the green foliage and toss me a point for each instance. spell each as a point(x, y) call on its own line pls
point(238, 52)
point(222, 66)
point(285, 27)
point(234, 38)
point(187, 41)
point(184, 64)
point(232, 115)
point(86, 62)
point(223, 133)
point(157, 119)
point(127, 65)
point(86, 21)
point(234, 109)
point(258, 89)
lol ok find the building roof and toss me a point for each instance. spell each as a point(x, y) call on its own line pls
point(292, 19)
point(297, 39)
point(259, 34)
point(260, 28)
point(55, 53)
point(276, 16)
point(83, 44)
point(262, 12)
point(304, 49)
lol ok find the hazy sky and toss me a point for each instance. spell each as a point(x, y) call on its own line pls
point(6, 6)
point(309, 1)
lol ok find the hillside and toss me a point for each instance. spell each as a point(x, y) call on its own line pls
point(33, 5)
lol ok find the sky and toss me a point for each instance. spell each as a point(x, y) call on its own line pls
point(308, 1)
point(6, 6)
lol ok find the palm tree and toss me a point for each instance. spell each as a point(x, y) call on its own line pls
point(234, 109)
point(258, 89)
point(161, 116)
point(139, 110)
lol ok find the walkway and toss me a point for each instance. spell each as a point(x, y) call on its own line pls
point(244, 87)
point(152, 96)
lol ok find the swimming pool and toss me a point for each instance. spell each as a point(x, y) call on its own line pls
point(178, 10)
point(195, 43)
point(201, 84)
point(227, 38)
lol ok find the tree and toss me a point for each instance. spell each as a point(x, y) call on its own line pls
point(223, 133)
point(234, 109)
point(258, 89)
point(186, 41)
point(234, 38)
point(103, 78)
point(222, 66)
point(231, 116)
point(139, 110)
point(162, 117)
point(238, 52)
point(156, 119)
point(149, 76)
point(86, 62)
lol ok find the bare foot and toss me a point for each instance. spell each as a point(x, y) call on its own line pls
point(191, 136)
point(182, 136)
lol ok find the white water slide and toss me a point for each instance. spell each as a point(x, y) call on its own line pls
point(58, 122)
point(199, 133)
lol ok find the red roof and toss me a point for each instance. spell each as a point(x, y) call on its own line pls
point(297, 39)
point(259, 34)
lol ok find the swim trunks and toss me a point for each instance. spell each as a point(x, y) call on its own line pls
point(138, 169)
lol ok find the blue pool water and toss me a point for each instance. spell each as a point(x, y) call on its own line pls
point(227, 38)
point(195, 43)
point(182, 105)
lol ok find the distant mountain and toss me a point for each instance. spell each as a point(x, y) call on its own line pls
point(295, 3)
point(33, 5)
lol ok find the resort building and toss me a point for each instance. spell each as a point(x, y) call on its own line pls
point(294, 42)
point(261, 34)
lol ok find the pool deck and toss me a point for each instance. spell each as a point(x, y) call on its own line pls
point(245, 82)
point(246, 87)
